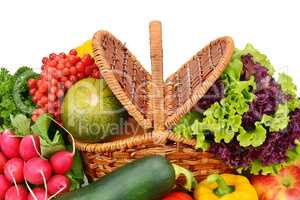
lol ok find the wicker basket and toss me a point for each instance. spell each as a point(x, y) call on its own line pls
point(154, 104)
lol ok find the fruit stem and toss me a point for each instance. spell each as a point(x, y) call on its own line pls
point(191, 182)
point(222, 188)
point(287, 181)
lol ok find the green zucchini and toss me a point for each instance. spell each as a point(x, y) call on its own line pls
point(149, 178)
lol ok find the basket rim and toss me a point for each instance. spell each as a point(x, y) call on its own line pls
point(130, 142)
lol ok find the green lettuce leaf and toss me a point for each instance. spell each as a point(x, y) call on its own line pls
point(294, 154)
point(184, 126)
point(201, 142)
point(224, 118)
point(279, 120)
point(287, 85)
point(293, 104)
point(253, 138)
point(257, 168)
point(234, 70)
point(289, 88)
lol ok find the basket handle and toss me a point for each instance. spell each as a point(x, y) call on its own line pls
point(157, 91)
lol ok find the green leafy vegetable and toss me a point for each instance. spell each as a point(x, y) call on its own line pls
point(21, 124)
point(21, 95)
point(200, 136)
point(293, 104)
point(287, 85)
point(289, 88)
point(184, 126)
point(234, 69)
point(257, 56)
point(48, 146)
point(7, 105)
point(76, 175)
point(294, 154)
point(222, 121)
point(253, 138)
point(14, 97)
point(51, 146)
point(256, 167)
point(279, 120)
point(224, 118)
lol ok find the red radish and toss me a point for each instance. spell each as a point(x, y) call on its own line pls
point(58, 184)
point(13, 170)
point(37, 171)
point(16, 193)
point(62, 162)
point(10, 144)
point(30, 147)
point(3, 160)
point(4, 185)
point(39, 193)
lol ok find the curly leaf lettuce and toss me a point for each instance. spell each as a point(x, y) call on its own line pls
point(224, 119)
point(7, 105)
point(201, 142)
point(257, 56)
point(253, 138)
point(276, 122)
point(287, 85)
point(289, 88)
point(184, 126)
point(256, 167)
point(279, 120)
point(14, 95)
point(234, 69)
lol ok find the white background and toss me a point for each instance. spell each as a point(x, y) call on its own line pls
point(32, 29)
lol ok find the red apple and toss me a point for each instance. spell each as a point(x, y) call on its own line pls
point(284, 186)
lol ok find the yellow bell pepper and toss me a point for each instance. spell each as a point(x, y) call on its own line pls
point(85, 48)
point(225, 187)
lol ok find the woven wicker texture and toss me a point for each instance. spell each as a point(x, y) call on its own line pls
point(126, 77)
point(201, 164)
point(154, 104)
point(185, 88)
point(131, 83)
